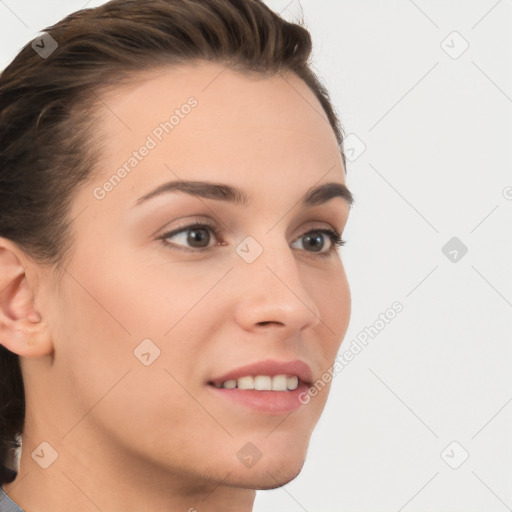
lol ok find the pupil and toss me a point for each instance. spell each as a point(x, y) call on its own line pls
point(198, 235)
point(316, 242)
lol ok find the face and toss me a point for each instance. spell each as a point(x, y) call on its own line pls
point(173, 288)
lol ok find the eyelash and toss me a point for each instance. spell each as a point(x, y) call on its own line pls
point(334, 236)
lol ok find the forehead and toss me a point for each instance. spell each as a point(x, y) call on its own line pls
point(222, 93)
point(208, 122)
point(250, 110)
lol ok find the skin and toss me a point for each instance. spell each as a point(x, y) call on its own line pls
point(133, 437)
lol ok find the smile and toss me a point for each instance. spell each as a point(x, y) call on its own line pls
point(265, 387)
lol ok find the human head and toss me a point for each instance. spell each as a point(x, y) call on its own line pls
point(51, 110)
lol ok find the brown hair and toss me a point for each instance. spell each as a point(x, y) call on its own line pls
point(47, 148)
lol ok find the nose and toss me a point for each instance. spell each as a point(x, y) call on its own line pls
point(270, 293)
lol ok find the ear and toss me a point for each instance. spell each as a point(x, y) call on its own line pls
point(23, 331)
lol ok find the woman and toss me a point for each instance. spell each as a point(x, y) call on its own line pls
point(172, 191)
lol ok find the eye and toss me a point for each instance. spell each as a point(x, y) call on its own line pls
point(196, 236)
point(314, 241)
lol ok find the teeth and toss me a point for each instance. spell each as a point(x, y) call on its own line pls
point(280, 383)
point(293, 382)
point(245, 383)
point(263, 383)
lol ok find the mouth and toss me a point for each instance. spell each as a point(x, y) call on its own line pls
point(266, 387)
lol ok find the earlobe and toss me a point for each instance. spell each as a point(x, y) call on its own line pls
point(23, 331)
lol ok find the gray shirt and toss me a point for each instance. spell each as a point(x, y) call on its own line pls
point(6, 504)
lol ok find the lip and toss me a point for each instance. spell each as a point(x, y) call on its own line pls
point(265, 402)
point(269, 367)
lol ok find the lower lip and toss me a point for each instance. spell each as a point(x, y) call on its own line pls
point(267, 402)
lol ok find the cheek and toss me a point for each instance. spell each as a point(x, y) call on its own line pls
point(332, 297)
point(134, 298)
point(116, 313)
point(106, 323)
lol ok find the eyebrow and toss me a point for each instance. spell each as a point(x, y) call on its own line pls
point(223, 192)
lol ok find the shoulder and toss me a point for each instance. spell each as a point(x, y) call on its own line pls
point(6, 504)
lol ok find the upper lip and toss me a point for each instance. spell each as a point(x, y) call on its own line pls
point(269, 367)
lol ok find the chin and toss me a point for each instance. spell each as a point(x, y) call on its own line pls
point(279, 478)
point(269, 474)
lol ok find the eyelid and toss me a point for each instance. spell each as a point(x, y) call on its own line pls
point(188, 226)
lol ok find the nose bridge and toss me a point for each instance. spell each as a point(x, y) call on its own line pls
point(270, 282)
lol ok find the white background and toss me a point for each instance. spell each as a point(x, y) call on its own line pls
point(436, 165)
